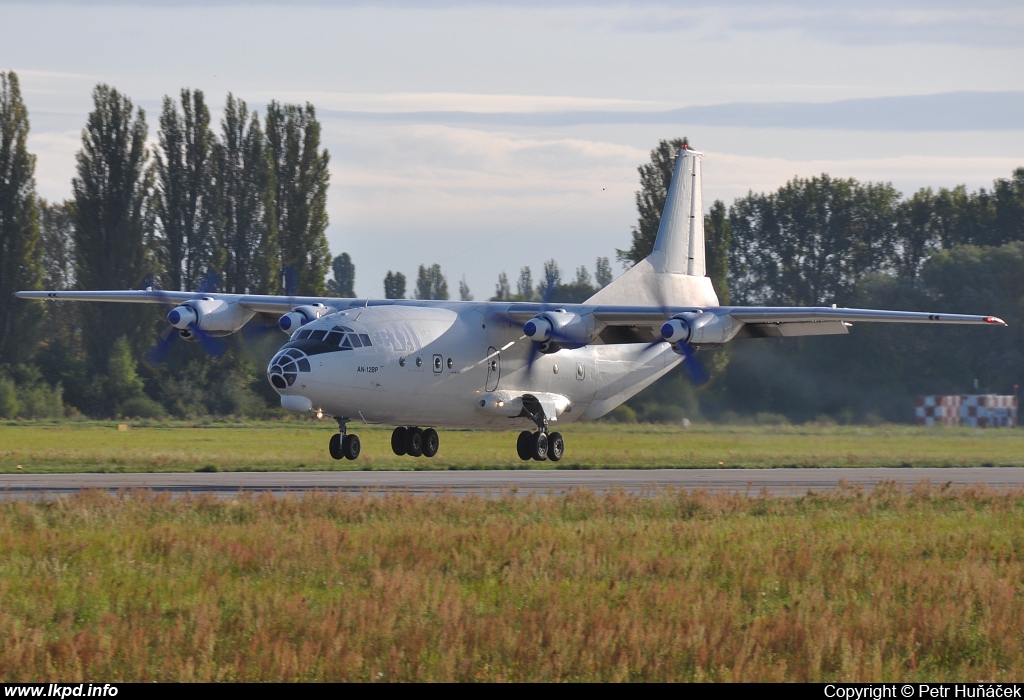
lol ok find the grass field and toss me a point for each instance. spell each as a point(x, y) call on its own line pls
point(892, 586)
point(97, 446)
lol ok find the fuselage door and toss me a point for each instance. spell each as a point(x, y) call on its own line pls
point(493, 369)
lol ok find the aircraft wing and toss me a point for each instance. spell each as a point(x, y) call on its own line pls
point(785, 321)
point(258, 303)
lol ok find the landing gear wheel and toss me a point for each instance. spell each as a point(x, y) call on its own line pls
point(556, 447)
point(350, 446)
point(524, 445)
point(398, 440)
point(430, 442)
point(335, 447)
point(539, 443)
point(414, 442)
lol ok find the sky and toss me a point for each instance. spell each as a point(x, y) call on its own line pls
point(489, 136)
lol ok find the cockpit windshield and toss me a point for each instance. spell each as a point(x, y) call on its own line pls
point(340, 336)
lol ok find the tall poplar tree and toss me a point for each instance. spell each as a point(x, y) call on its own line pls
point(113, 220)
point(394, 285)
point(302, 177)
point(20, 251)
point(343, 284)
point(187, 198)
point(247, 228)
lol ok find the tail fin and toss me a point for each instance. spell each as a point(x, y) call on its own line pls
point(674, 273)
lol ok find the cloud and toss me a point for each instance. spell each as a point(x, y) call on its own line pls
point(953, 111)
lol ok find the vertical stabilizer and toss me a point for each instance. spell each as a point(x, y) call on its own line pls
point(680, 240)
point(674, 273)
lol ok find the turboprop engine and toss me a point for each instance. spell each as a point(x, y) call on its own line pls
point(699, 328)
point(300, 316)
point(215, 317)
point(558, 329)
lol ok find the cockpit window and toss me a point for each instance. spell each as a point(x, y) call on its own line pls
point(333, 338)
point(345, 344)
point(318, 335)
point(354, 337)
point(303, 334)
point(366, 340)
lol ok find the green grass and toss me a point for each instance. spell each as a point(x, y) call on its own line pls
point(921, 585)
point(163, 447)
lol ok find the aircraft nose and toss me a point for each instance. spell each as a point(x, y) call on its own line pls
point(285, 367)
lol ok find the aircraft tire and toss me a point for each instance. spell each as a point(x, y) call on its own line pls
point(524, 445)
point(414, 442)
point(335, 447)
point(556, 446)
point(431, 442)
point(539, 443)
point(350, 446)
point(398, 440)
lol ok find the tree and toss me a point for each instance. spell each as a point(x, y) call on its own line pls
point(524, 285)
point(394, 285)
point(577, 291)
point(603, 273)
point(502, 292)
point(113, 218)
point(717, 241)
point(343, 284)
point(808, 243)
point(464, 294)
point(430, 283)
point(20, 251)
point(552, 279)
point(247, 228)
point(655, 178)
point(301, 177)
point(186, 201)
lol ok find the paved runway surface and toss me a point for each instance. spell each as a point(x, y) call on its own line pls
point(781, 482)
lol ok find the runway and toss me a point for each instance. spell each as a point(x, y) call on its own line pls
point(776, 482)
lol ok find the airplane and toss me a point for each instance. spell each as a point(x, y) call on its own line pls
point(421, 365)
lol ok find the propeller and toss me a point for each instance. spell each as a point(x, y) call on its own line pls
point(215, 348)
point(679, 338)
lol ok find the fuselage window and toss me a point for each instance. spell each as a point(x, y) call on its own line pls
point(366, 340)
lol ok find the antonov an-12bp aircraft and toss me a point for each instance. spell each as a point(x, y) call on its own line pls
point(422, 365)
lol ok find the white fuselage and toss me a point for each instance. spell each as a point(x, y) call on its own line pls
point(439, 365)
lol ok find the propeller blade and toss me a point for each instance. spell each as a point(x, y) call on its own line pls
point(214, 347)
point(698, 375)
point(155, 356)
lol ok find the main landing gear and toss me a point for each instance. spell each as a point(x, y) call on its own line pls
point(415, 442)
point(343, 445)
point(540, 445)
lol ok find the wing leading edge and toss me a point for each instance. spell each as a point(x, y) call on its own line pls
point(733, 321)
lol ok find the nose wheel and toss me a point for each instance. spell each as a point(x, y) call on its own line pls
point(343, 445)
point(415, 442)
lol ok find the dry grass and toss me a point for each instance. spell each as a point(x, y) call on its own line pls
point(898, 585)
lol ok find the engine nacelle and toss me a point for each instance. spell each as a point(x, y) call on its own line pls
point(565, 328)
point(700, 328)
point(215, 316)
point(300, 316)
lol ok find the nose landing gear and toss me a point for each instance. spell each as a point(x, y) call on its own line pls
point(415, 442)
point(343, 445)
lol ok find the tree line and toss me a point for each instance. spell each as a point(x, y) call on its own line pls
point(239, 209)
